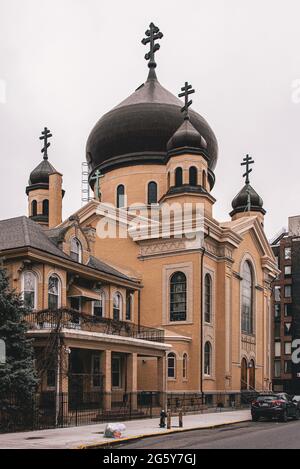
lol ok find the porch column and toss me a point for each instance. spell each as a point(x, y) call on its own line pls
point(161, 381)
point(132, 361)
point(106, 371)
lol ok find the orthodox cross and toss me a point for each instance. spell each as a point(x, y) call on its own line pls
point(46, 134)
point(247, 162)
point(153, 34)
point(186, 91)
point(97, 176)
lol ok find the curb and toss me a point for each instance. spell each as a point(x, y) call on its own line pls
point(121, 441)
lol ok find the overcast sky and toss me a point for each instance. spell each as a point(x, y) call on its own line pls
point(64, 63)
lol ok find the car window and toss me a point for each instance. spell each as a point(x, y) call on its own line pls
point(267, 398)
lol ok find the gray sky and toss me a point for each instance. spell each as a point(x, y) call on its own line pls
point(64, 63)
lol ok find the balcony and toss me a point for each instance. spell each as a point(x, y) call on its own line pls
point(56, 321)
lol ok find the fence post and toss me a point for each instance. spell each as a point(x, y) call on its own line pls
point(151, 404)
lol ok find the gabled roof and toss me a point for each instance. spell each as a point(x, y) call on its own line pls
point(22, 232)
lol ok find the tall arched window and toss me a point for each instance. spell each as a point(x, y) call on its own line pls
point(121, 196)
point(184, 366)
point(207, 358)
point(129, 303)
point(152, 193)
point(117, 307)
point(204, 180)
point(99, 306)
point(169, 180)
point(34, 208)
point(29, 290)
point(54, 293)
point(172, 366)
point(76, 250)
point(244, 375)
point(178, 177)
point(207, 298)
point(247, 299)
point(193, 176)
point(178, 295)
point(46, 207)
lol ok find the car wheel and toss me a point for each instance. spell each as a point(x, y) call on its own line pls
point(284, 417)
point(255, 418)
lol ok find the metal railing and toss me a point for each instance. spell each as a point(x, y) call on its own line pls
point(70, 319)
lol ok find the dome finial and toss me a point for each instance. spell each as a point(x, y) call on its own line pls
point(186, 91)
point(46, 134)
point(247, 162)
point(153, 34)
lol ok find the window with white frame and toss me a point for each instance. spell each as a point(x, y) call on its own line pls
point(288, 348)
point(117, 307)
point(76, 250)
point(99, 306)
point(172, 366)
point(207, 359)
point(29, 290)
point(54, 293)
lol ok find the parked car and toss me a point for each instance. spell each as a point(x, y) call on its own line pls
point(278, 406)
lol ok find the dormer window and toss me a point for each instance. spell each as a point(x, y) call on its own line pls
point(76, 250)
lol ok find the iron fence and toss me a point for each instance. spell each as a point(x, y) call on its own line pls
point(70, 319)
point(47, 410)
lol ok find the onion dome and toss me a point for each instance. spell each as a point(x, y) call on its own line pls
point(247, 200)
point(138, 130)
point(41, 173)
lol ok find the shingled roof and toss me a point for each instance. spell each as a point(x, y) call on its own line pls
point(22, 232)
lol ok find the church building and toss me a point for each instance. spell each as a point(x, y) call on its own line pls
point(124, 303)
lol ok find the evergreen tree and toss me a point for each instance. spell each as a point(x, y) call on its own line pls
point(18, 379)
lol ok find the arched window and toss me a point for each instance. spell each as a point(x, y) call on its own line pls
point(54, 293)
point(99, 306)
point(193, 176)
point(207, 358)
point(34, 208)
point(184, 366)
point(204, 180)
point(29, 290)
point(169, 180)
point(129, 303)
point(244, 375)
point(46, 207)
point(252, 375)
point(76, 250)
point(172, 366)
point(178, 294)
point(207, 298)
point(247, 299)
point(178, 177)
point(117, 307)
point(152, 193)
point(121, 196)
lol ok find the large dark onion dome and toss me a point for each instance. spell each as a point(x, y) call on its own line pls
point(41, 173)
point(240, 202)
point(137, 130)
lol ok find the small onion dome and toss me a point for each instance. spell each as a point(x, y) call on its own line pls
point(40, 175)
point(241, 201)
point(186, 139)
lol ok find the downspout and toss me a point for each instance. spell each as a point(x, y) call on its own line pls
point(139, 311)
point(203, 250)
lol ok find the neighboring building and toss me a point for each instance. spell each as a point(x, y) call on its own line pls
point(286, 307)
point(211, 300)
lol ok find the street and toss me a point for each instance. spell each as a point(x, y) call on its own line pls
point(248, 435)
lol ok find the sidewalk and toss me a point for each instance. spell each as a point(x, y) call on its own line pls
point(76, 437)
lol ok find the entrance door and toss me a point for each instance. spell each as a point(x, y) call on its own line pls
point(244, 375)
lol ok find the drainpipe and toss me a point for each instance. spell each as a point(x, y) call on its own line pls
point(139, 311)
point(203, 250)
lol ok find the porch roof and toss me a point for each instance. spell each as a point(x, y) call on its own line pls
point(76, 291)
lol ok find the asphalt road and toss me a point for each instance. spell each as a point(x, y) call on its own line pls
point(248, 435)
